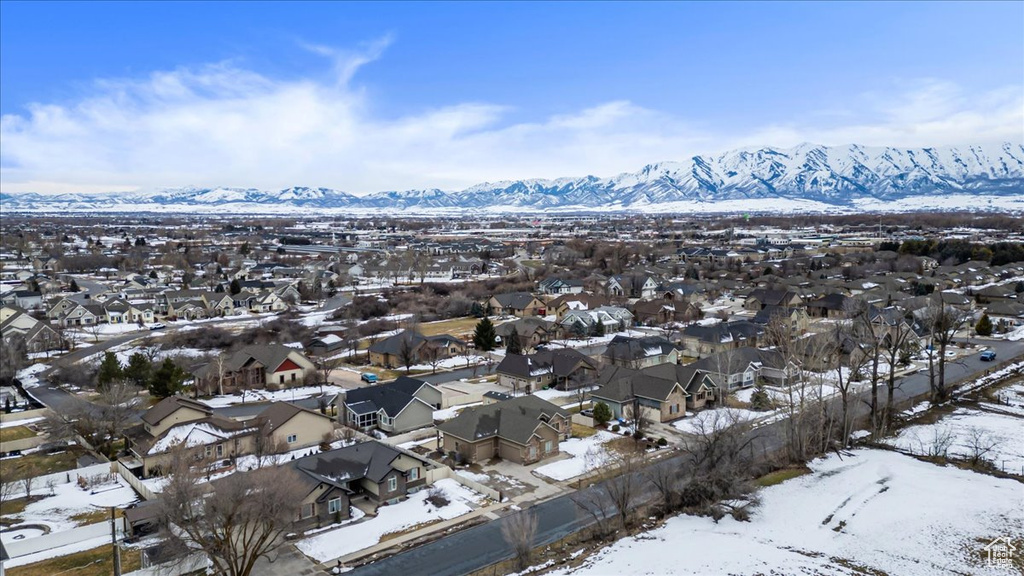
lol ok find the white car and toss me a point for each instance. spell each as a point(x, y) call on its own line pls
point(157, 326)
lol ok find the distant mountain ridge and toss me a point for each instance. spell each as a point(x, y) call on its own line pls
point(842, 177)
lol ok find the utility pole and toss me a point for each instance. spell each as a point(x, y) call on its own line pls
point(113, 543)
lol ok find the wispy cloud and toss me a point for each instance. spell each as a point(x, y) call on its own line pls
point(224, 125)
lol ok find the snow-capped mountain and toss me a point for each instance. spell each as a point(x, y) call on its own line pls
point(807, 177)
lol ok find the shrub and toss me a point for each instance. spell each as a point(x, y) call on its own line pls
point(616, 428)
point(662, 442)
point(602, 414)
point(437, 497)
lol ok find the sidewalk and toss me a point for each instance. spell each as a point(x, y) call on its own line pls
point(415, 535)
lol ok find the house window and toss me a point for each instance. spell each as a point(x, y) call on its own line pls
point(414, 474)
point(220, 450)
point(548, 445)
point(334, 505)
point(392, 484)
point(308, 510)
point(292, 438)
point(281, 377)
point(293, 376)
point(532, 452)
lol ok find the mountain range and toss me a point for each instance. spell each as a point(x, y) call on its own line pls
point(806, 177)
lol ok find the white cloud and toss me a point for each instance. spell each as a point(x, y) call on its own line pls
point(224, 125)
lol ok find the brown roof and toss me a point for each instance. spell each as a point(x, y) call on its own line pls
point(169, 405)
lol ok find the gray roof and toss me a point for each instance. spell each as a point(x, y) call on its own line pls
point(621, 384)
point(392, 397)
point(514, 420)
point(628, 348)
point(562, 362)
point(371, 460)
point(515, 300)
point(167, 406)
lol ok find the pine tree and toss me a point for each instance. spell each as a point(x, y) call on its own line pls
point(167, 380)
point(74, 286)
point(236, 287)
point(760, 400)
point(513, 346)
point(602, 413)
point(984, 326)
point(484, 335)
point(110, 370)
point(138, 370)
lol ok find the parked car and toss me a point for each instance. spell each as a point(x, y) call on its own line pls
point(988, 355)
point(157, 326)
point(368, 377)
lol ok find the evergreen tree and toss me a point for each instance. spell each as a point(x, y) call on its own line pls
point(236, 287)
point(599, 329)
point(984, 326)
point(74, 286)
point(760, 400)
point(110, 370)
point(167, 380)
point(138, 370)
point(484, 335)
point(153, 275)
point(219, 289)
point(602, 413)
point(513, 346)
point(476, 310)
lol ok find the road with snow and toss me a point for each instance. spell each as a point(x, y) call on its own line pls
point(559, 517)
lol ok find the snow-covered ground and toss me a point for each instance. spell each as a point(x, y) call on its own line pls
point(873, 509)
point(587, 454)
point(286, 395)
point(351, 538)
point(68, 499)
point(957, 433)
point(452, 412)
point(715, 419)
point(29, 376)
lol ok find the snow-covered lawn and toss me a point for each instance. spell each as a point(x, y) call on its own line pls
point(29, 376)
point(345, 540)
point(587, 454)
point(551, 394)
point(957, 432)
point(69, 499)
point(873, 509)
point(286, 395)
point(715, 419)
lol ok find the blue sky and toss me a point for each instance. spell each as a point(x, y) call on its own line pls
point(365, 97)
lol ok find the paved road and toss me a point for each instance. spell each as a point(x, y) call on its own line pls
point(560, 516)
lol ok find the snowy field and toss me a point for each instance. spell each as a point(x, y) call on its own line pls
point(347, 539)
point(715, 419)
point(587, 454)
point(960, 429)
point(873, 509)
point(68, 499)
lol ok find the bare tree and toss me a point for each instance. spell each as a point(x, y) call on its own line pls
point(895, 344)
point(406, 351)
point(664, 476)
point(623, 490)
point(519, 531)
point(266, 447)
point(432, 354)
point(980, 444)
point(635, 412)
point(943, 321)
point(720, 458)
point(27, 482)
point(235, 520)
point(869, 333)
point(100, 422)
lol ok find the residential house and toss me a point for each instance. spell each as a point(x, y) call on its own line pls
point(626, 389)
point(828, 306)
point(562, 368)
point(521, 304)
point(661, 312)
point(742, 367)
point(399, 406)
point(255, 366)
point(596, 322)
point(531, 332)
point(524, 430)
point(640, 352)
point(796, 319)
point(38, 336)
point(569, 302)
point(760, 298)
point(415, 348)
point(700, 385)
point(371, 471)
point(555, 285)
point(632, 286)
point(701, 341)
point(25, 299)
